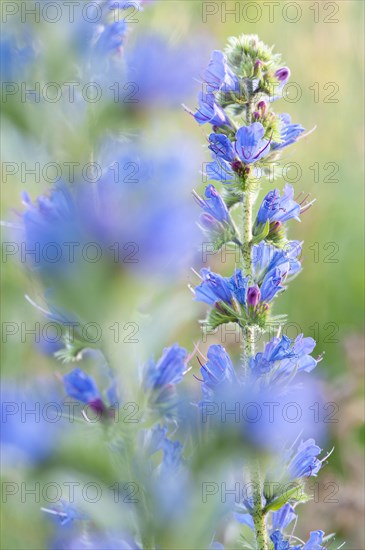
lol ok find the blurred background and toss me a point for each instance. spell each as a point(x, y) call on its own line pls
point(164, 51)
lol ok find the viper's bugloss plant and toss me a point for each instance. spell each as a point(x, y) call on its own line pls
point(190, 424)
point(247, 137)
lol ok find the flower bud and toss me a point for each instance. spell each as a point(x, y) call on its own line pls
point(256, 115)
point(283, 74)
point(210, 223)
point(262, 107)
point(257, 67)
point(253, 296)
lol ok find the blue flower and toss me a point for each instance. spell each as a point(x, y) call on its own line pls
point(218, 76)
point(217, 371)
point(278, 209)
point(267, 258)
point(250, 144)
point(271, 284)
point(111, 38)
point(30, 431)
point(282, 356)
point(221, 146)
point(305, 462)
point(283, 517)
point(160, 378)
point(214, 288)
point(210, 111)
point(169, 369)
point(280, 544)
point(314, 542)
point(93, 540)
point(82, 387)
point(164, 74)
point(220, 170)
point(172, 450)
point(213, 204)
point(289, 133)
point(65, 513)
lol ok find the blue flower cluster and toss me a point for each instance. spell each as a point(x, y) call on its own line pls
point(247, 136)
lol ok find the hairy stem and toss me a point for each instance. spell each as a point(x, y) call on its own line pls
point(258, 515)
point(248, 332)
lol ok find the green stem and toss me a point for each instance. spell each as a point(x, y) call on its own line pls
point(248, 332)
point(258, 515)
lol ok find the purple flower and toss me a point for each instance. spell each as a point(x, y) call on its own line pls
point(283, 74)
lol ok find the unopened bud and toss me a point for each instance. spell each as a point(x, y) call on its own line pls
point(282, 74)
point(208, 222)
point(262, 107)
point(253, 296)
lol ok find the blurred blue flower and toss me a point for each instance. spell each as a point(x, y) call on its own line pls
point(283, 356)
point(31, 421)
point(217, 371)
point(15, 56)
point(64, 513)
point(82, 387)
point(147, 229)
point(93, 540)
point(111, 38)
point(164, 74)
point(161, 378)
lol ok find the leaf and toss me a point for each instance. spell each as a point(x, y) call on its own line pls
point(295, 493)
point(263, 233)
